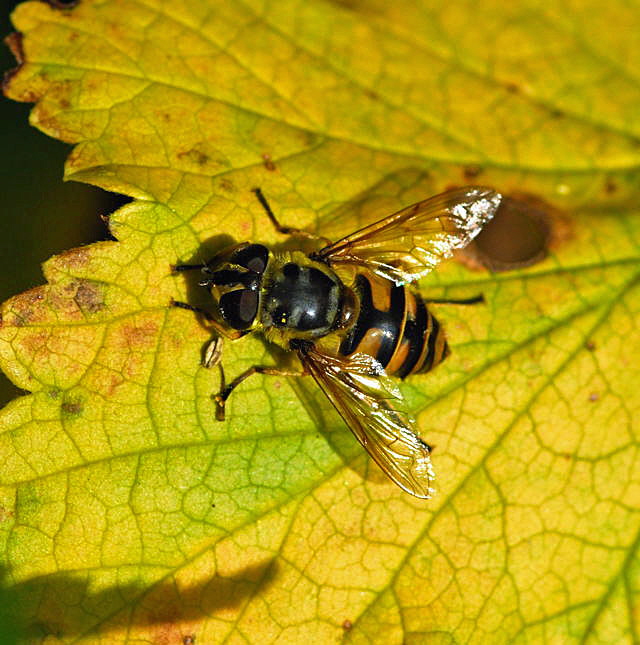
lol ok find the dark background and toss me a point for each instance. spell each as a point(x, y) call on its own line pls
point(40, 215)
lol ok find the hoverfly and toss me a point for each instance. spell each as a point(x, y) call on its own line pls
point(351, 316)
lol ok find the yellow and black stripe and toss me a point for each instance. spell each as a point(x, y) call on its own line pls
point(395, 327)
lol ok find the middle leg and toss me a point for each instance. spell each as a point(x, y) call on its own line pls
point(226, 390)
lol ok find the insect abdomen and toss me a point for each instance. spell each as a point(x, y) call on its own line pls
point(395, 327)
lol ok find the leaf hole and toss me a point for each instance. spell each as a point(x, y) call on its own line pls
point(520, 235)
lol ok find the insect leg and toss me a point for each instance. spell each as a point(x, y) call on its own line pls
point(286, 230)
point(464, 301)
point(225, 390)
point(213, 353)
point(198, 310)
point(178, 268)
point(231, 334)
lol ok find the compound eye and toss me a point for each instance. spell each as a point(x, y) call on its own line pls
point(253, 257)
point(239, 308)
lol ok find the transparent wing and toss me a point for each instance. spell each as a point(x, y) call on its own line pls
point(371, 405)
point(408, 244)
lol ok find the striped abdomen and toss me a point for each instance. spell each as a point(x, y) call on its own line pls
point(395, 327)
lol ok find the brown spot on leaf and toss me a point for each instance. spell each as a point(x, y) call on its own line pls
point(114, 382)
point(268, 162)
point(590, 345)
point(35, 342)
point(91, 85)
point(27, 95)
point(6, 514)
point(472, 171)
point(593, 397)
point(72, 408)
point(34, 295)
point(58, 92)
point(347, 625)
point(189, 640)
point(372, 94)
point(195, 156)
point(227, 185)
point(75, 258)
point(610, 186)
point(22, 306)
point(139, 336)
point(88, 296)
point(512, 87)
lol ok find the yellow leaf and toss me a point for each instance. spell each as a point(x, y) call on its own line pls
point(129, 514)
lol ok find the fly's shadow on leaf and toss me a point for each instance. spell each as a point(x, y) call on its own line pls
point(64, 606)
point(335, 431)
point(393, 192)
point(197, 295)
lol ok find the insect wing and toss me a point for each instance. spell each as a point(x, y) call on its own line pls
point(371, 406)
point(408, 244)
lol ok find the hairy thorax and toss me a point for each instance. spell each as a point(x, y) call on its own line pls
point(300, 298)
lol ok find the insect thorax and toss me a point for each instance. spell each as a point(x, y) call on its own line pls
point(301, 298)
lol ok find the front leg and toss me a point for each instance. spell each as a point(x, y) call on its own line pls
point(220, 329)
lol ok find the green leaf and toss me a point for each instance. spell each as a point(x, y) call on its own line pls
point(128, 514)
